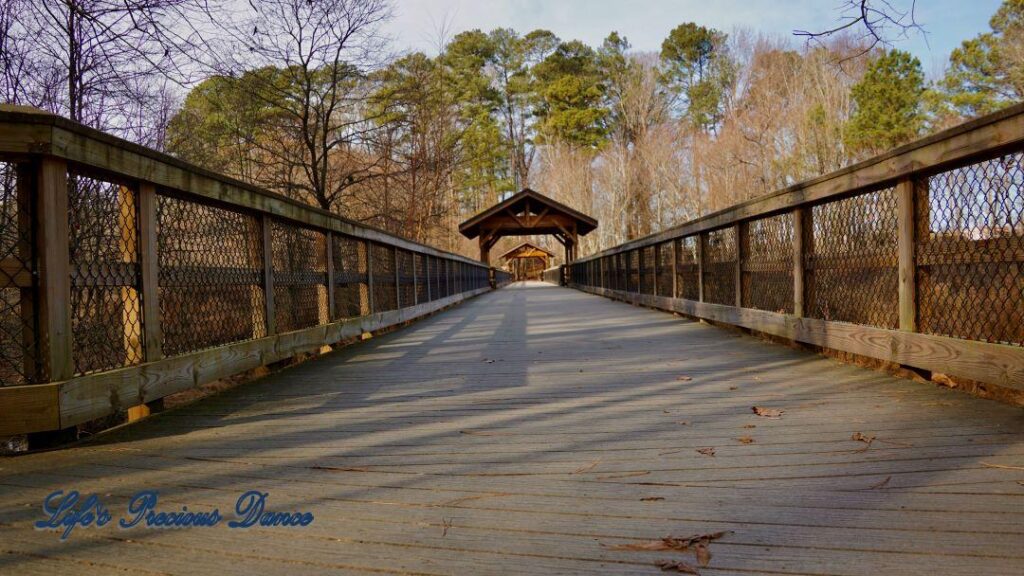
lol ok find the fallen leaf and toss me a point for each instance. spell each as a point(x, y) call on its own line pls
point(652, 499)
point(880, 484)
point(676, 566)
point(446, 523)
point(587, 467)
point(745, 440)
point(750, 426)
point(865, 438)
point(684, 422)
point(706, 451)
point(702, 553)
point(767, 412)
point(1021, 482)
point(733, 387)
point(684, 378)
point(486, 361)
point(1002, 466)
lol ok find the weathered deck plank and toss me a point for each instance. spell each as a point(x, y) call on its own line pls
point(519, 432)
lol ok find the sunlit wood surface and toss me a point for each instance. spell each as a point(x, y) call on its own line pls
point(531, 431)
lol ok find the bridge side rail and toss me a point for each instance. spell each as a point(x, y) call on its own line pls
point(127, 275)
point(914, 257)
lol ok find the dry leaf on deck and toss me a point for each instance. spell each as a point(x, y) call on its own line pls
point(706, 451)
point(684, 378)
point(750, 426)
point(767, 412)
point(671, 542)
point(865, 438)
point(676, 566)
point(702, 553)
point(745, 440)
point(652, 499)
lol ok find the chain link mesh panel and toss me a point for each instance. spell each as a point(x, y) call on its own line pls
point(351, 298)
point(210, 263)
point(720, 266)
point(406, 288)
point(633, 278)
point(18, 332)
point(663, 253)
point(647, 278)
point(970, 252)
point(299, 257)
point(768, 264)
point(384, 296)
point(851, 261)
point(422, 277)
point(106, 317)
point(687, 268)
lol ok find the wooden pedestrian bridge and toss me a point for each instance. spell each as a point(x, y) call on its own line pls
point(729, 406)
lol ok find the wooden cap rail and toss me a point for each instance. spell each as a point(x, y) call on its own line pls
point(913, 257)
point(133, 275)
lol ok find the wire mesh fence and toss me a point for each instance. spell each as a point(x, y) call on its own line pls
point(106, 319)
point(385, 296)
point(19, 360)
point(422, 277)
point(664, 266)
point(351, 297)
point(299, 259)
point(970, 252)
point(851, 260)
point(210, 274)
point(720, 266)
point(768, 264)
point(687, 268)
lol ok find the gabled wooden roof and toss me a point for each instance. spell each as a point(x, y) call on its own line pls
point(523, 248)
point(517, 204)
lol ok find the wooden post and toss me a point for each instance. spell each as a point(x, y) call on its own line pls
point(415, 280)
point(741, 248)
point(329, 251)
point(368, 248)
point(150, 273)
point(799, 217)
point(398, 278)
point(675, 275)
point(426, 261)
point(640, 263)
point(906, 191)
point(266, 229)
point(700, 265)
point(657, 270)
point(54, 269)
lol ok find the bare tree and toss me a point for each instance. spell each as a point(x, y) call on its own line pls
point(304, 62)
point(880, 21)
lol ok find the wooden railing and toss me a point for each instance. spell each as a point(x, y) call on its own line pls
point(127, 275)
point(914, 257)
point(553, 275)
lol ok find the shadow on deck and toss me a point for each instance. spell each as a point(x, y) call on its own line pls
point(533, 429)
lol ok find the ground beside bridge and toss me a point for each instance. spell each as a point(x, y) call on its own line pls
point(540, 430)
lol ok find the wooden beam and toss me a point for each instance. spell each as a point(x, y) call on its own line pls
point(329, 250)
point(54, 268)
point(269, 310)
point(906, 194)
point(149, 272)
point(675, 274)
point(799, 217)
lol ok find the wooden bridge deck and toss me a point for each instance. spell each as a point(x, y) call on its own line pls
point(531, 431)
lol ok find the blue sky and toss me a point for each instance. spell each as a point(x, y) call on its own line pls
point(647, 22)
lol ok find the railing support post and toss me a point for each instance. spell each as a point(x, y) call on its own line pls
point(150, 273)
point(369, 277)
point(741, 249)
point(54, 269)
point(329, 252)
point(799, 218)
point(906, 191)
point(675, 257)
point(701, 239)
point(270, 317)
point(415, 280)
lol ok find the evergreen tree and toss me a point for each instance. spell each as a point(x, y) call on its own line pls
point(889, 103)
